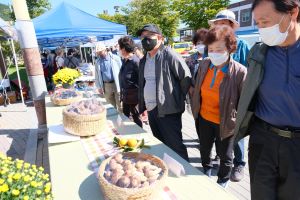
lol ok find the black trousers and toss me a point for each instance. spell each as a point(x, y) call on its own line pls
point(168, 130)
point(274, 165)
point(130, 109)
point(209, 132)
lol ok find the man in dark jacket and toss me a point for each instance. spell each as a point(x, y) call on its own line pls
point(164, 80)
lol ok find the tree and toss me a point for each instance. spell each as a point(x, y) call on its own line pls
point(140, 12)
point(36, 8)
point(4, 12)
point(196, 13)
point(117, 18)
point(160, 12)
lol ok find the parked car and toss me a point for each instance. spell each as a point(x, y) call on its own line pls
point(182, 47)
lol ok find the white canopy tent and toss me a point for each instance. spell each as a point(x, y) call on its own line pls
point(8, 32)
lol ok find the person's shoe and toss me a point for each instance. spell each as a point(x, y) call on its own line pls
point(237, 173)
point(207, 172)
point(223, 184)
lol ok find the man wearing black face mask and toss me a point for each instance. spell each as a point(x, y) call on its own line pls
point(164, 82)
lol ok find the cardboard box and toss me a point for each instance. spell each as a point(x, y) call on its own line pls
point(11, 95)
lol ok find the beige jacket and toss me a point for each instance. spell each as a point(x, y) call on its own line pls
point(230, 90)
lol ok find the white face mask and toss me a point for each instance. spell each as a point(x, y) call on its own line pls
point(272, 36)
point(218, 59)
point(200, 48)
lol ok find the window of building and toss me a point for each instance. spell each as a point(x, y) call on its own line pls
point(246, 16)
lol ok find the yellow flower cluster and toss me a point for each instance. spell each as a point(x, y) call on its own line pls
point(23, 181)
point(65, 75)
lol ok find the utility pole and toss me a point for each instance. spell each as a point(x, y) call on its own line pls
point(32, 59)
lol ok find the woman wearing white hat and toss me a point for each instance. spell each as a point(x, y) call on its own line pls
point(227, 17)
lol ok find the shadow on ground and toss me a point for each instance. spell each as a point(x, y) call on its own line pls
point(13, 142)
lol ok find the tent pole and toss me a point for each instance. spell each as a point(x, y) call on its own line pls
point(85, 53)
point(93, 55)
point(18, 74)
point(80, 52)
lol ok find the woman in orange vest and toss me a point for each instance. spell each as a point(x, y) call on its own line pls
point(217, 89)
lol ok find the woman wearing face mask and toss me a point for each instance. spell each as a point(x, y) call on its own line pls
point(129, 79)
point(216, 95)
point(269, 108)
point(193, 64)
point(193, 60)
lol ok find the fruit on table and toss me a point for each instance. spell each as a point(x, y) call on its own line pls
point(122, 142)
point(130, 173)
point(132, 142)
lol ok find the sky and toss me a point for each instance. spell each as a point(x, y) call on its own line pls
point(91, 6)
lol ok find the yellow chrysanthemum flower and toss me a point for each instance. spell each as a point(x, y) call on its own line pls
point(15, 192)
point(26, 197)
point(38, 192)
point(16, 176)
point(19, 165)
point(26, 178)
point(4, 188)
point(26, 165)
point(33, 184)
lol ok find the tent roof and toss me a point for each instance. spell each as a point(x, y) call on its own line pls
point(66, 22)
point(7, 31)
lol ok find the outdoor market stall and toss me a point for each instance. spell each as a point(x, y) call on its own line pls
point(73, 165)
point(69, 26)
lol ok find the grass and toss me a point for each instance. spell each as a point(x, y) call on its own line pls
point(12, 73)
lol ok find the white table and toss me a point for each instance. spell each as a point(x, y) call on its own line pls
point(72, 179)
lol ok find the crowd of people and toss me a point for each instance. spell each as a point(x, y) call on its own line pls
point(233, 92)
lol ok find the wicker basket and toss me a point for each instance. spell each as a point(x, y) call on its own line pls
point(84, 125)
point(64, 102)
point(113, 192)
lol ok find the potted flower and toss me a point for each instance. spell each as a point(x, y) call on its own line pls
point(65, 77)
point(22, 181)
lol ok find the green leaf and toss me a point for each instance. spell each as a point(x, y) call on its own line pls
point(196, 13)
point(140, 12)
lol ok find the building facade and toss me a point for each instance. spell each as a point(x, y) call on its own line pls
point(243, 15)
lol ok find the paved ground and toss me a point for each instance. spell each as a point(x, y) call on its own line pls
point(15, 127)
point(241, 189)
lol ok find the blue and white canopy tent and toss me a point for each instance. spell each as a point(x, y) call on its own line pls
point(69, 26)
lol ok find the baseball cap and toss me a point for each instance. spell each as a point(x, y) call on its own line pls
point(225, 14)
point(151, 28)
point(100, 46)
